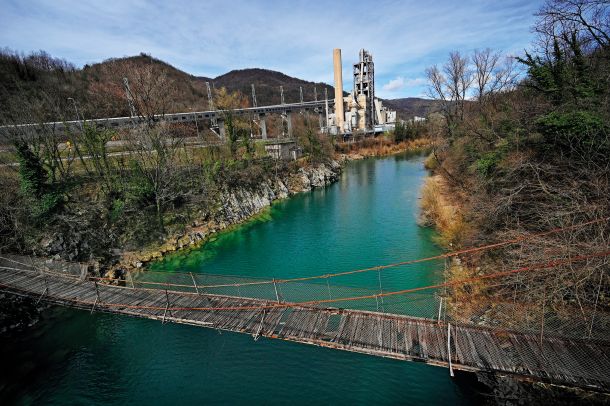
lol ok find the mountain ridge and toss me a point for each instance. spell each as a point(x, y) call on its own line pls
point(102, 84)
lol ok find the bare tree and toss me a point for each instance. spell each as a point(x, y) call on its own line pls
point(492, 73)
point(151, 90)
point(589, 19)
point(156, 164)
point(451, 86)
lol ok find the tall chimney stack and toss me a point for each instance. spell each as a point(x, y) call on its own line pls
point(339, 115)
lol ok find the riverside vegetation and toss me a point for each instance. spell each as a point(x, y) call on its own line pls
point(523, 148)
point(521, 153)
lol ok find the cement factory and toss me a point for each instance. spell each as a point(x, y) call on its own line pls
point(360, 111)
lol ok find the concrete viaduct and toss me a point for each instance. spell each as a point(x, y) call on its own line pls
point(218, 116)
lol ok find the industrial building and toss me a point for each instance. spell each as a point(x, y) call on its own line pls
point(360, 111)
point(284, 149)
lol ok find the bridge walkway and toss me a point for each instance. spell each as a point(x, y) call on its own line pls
point(574, 362)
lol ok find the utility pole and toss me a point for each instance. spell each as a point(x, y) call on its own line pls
point(80, 123)
point(326, 106)
point(320, 118)
point(211, 104)
point(285, 117)
point(132, 107)
point(254, 104)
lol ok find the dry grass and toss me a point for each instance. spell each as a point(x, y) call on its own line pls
point(431, 162)
point(377, 147)
point(444, 216)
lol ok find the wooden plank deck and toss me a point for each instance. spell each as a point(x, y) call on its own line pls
point(473, 348)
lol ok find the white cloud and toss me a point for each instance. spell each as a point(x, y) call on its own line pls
point(394, 84)
point(415, 82)
point(402, 86)
point(295, 37)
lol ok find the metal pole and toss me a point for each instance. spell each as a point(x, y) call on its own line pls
point(45, 291)
point(214, 120)
point(515, 301)
point(254, 104)
point(132, 107)
point(601, 274)
point(542, 322)
point(440, 306)
point(277, 296)
point(93, 307)
point(449, 348)
point(166, 306)
point(326, 107)
point(80, 124)
point(194, 283)
point(380, 289)
point(260, 326)
point(97, 296)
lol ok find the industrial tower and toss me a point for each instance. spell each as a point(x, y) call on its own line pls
point(364, 84)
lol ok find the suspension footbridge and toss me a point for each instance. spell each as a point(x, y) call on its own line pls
point(490, 332)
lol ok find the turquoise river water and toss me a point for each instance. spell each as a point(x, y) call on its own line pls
point(367, 218)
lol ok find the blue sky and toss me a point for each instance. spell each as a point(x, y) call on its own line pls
point(209, 38)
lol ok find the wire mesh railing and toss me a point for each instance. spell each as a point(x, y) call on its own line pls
point(567, 294)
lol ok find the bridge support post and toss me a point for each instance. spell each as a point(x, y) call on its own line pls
point(221, 128)
point(263, 126)
point(289, 123)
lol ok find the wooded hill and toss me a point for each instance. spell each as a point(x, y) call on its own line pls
point(267, 84)
point(27, 81)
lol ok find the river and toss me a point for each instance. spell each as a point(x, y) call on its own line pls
point(367, 218)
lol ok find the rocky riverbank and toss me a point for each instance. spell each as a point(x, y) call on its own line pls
point(508, 390)
point(17, 312)
point(86, 233)
point(376, 148)
point(234, 206)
